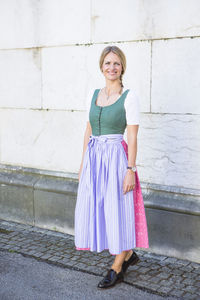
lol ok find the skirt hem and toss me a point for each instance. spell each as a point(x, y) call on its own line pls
point(77, 248)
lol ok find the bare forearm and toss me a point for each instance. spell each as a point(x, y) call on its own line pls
point(132, 151)
point(86, 140)
point(129, 180)
point(132, 131)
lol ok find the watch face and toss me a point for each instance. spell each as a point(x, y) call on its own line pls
point(132, 168)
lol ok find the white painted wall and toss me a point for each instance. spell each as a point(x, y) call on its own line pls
point(49, 54)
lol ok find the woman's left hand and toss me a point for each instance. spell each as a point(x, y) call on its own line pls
point(129, 181)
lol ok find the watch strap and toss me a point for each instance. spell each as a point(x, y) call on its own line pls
point(132, 168)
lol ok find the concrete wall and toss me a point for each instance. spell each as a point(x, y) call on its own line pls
point(49, 52)
point(49, 59)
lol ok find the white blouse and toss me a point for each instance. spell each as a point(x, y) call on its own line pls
point(131, 105)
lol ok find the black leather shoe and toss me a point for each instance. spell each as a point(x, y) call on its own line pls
point(131, 261)
point(111, 279)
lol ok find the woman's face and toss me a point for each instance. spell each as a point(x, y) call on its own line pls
point(112, 66)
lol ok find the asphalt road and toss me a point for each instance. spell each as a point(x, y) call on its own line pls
point(26, 278)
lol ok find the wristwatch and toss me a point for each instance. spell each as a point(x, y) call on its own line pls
point(132, 168)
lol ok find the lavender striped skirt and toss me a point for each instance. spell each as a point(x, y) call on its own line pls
point(104, 216)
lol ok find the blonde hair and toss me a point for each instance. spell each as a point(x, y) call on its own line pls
point(120, 54)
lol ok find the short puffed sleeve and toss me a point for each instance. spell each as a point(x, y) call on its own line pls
point(88, 103)
point(132, 107)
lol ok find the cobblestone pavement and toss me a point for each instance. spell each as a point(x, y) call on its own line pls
point(165, 276)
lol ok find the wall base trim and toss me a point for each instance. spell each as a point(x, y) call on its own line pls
point(47, 199)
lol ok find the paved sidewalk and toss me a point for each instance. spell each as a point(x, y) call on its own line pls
point(165, 276)
point(26, 278)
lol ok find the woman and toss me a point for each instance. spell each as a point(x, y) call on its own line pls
point(109, 211)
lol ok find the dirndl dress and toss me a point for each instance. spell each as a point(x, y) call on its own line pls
point(105, 217)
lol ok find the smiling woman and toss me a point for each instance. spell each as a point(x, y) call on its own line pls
point(109, 211)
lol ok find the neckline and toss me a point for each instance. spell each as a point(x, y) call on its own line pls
point(110, 104)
